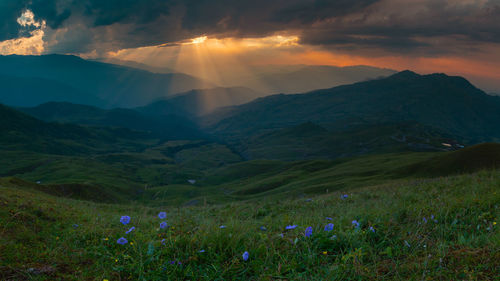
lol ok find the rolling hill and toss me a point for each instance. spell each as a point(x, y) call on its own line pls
point(21, 132)
point(167, 127)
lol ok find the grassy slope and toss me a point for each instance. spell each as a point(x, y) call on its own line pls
point(118, 176)
point(38, 235)
point(158, 175)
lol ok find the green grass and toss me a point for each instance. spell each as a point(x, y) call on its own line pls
point(39, 241)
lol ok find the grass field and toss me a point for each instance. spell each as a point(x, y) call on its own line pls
point(418, 229)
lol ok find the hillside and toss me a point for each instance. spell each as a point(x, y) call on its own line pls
point(199, 102)
point(168, 127)
point(111, 86)
point(30, 91)
point(311, 141)
point(449, 104)
point(467, 160)
point(21, 132)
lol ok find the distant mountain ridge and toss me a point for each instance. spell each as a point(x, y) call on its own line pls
point(448, 103)
point(104, 85)
point(291, 79)
point(199, 102)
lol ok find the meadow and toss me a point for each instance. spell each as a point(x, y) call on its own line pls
point(441, 228)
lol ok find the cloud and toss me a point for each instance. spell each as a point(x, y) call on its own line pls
point(113, 24)
point(416, 27)
point(373, 27)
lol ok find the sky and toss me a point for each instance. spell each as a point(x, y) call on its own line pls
point(207, 37)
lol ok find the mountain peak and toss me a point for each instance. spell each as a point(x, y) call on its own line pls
point(405, 74)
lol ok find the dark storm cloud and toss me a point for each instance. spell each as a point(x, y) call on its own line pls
point(9, 12)
point(426, 26)
point(113, 24)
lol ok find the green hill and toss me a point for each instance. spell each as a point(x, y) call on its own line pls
point(167, 127)
point(311, 141)
point(467, 160)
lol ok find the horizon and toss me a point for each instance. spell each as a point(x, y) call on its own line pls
point(222, 42)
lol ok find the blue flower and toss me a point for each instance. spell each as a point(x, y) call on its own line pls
point(222, 226)
point(263, 228)
point(130, 230)
point(122, 241)
point(288, 227)
point(125, 219)
point(162, 241)
point(355, 223)
point(162, 215)
point(281, 234)
point(424, 220)
point(372, 229)
point(309, 231)
point(345, 196)
point(75, 225)
point(328, 218)
point(163, 224)
point(245, 256)
point(201, 251)
point(329, 227)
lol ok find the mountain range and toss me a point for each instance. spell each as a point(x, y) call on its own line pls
point(111, 86)
point(404, 111)
point(450, 104)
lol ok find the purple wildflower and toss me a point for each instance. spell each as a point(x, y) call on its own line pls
point(424, 220)
point(245, 256)
point(201, 251)
point(75, 225)
point(263, 228)
point(162, 241)
point(288, 227)
point(329, 227)
point(130, 230)
point(125, 219)
point(162, 215)
point(163, 224)
point(309, 231)
point(222, 226)
point(122, 241)
point(372, 229)
point(344, 196)
point(328, 218)
point(355, 223)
